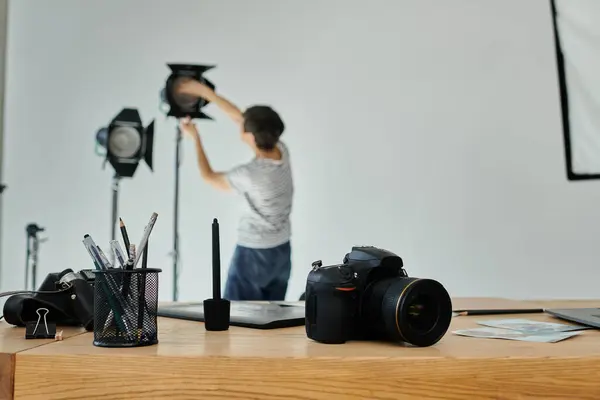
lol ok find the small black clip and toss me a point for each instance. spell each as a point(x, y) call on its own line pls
point(35, 330)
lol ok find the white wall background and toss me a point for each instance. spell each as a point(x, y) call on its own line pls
point(427, 127)
point(3, 34)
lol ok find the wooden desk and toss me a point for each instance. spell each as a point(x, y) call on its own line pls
point(12, 341)
point(190, 363)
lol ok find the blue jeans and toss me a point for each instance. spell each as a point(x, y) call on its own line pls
point(259, 274)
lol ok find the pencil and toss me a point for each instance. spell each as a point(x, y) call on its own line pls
point(125, 236)
point(500, 311)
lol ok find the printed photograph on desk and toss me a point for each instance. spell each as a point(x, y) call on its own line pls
point(508, 334)
point(529, 326)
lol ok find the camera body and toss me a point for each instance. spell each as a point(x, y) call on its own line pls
point(369, 296)
point(68, 296)
point(80, 296)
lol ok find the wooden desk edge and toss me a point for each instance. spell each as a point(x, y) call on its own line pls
point(217, 377)
point(7, 375)
point(303, 377)
point(8, 363)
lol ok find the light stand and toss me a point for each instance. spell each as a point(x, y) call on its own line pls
point(176, 215)
point(178, 106)
point(2, 187)
point(33, 243)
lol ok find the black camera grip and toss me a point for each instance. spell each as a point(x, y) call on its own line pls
point(330, 313)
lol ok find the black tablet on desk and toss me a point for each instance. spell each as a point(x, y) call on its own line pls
point(247, 314)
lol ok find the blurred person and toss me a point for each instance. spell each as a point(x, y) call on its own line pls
point(261, 264)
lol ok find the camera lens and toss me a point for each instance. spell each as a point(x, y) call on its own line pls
point(422, 313)
point(413, 310)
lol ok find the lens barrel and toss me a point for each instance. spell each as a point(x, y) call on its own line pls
point(412, 310)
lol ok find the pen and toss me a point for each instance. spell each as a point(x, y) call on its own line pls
point(103, 257)
point(116, 247)
point(145, 236)
point(88, 247)
point(94, 253)
point(97, 252)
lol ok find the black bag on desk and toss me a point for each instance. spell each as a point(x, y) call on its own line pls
point(68, 296)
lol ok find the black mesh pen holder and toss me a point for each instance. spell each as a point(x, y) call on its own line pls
point(125, 307)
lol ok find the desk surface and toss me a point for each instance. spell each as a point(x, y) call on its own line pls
point(12, 341)
point(190, 363)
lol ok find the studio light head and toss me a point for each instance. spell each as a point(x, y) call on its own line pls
point(178, 105)
point(127, 142)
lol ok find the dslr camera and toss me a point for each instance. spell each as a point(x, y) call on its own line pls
point(371, 297)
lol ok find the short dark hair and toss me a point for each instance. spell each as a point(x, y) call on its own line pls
point(265, 124)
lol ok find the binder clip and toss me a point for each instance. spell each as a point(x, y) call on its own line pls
point(40, 329)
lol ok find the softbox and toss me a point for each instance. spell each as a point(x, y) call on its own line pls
point(577, 40)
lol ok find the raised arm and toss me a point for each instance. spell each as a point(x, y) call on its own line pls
point(216, 179)
point(192, 87)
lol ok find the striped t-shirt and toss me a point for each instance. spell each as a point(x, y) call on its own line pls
point(267, 187)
